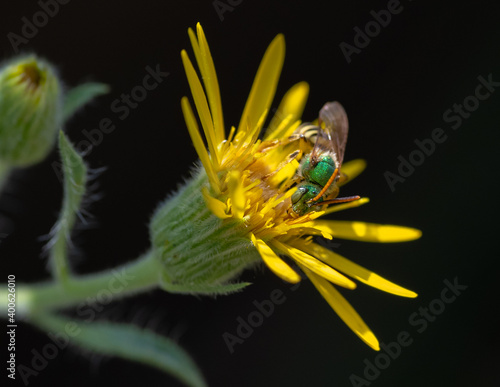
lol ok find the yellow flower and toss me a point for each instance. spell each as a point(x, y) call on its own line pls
point(249, 182)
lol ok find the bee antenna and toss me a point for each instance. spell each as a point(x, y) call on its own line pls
point(341, 200)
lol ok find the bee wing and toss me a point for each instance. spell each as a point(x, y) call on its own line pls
point(322, 145)
point(334, 135)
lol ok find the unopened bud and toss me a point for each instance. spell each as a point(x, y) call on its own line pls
point(30, 110)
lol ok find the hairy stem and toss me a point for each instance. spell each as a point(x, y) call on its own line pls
point(135, 277)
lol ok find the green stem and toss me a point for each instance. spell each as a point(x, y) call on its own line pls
point(99, 288)
point(75, 179)
point(58, 256)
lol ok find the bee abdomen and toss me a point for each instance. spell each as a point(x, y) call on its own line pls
point(308, 132)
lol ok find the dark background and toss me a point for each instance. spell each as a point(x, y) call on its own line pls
point(395, 91)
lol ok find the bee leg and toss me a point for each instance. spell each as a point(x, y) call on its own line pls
point(303, 143)
point(292, 156)
point(290, 182)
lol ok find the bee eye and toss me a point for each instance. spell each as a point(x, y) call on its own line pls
point(301, 191)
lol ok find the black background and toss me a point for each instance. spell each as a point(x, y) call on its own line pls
point(395, 91)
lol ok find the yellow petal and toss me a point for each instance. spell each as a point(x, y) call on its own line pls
point(355, 271)
point(291, 108)
point(211, 83)
point(352, 169)
point(275, 263)
point(195, 45)
point(200, 101)
point(217, 207)
point(252, 131)
point(368, 232)
point(194, 132)
point(286, 128)
point(264, 85)
point(316, 266)
point(346, 206)
point(237, 194)
point(345, 311)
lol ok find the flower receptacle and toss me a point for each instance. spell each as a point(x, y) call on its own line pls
point(200, 253)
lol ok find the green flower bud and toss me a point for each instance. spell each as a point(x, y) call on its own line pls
point(30, 111)
point(199, 252)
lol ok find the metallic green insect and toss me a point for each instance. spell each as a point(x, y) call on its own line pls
point(319, 170)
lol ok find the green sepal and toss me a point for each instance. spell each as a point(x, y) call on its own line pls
point(81, 95)
point(200, 253)
point(202, 289)
point(128, 342)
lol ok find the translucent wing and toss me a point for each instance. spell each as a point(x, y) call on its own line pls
point(333, 137)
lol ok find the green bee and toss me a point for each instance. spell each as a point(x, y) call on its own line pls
point(319, 170)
